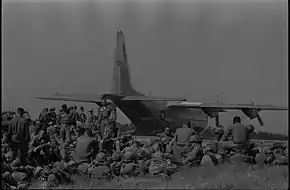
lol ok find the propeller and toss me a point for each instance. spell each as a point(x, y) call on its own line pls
point(260, 119)
point(217, 120)
point(217, 117)
point(258, 115)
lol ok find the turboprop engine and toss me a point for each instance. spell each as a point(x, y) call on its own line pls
point(213, 113)
point(252, 114)
point(210, 112)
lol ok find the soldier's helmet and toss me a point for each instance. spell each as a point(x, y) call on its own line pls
point(129, 156)
point(167, 129)
point(117, 156)
point(101, 157)
point(278, 145)
point(140, 154)
point(195, 139)
point(112, 123)
point(20, 110)
point(103, 97)
point(52, 145)
point(9, 156)
point(156, 147)
point(250, 128)
point(16, 163)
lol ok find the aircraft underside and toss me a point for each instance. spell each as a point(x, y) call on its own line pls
point(145, 116)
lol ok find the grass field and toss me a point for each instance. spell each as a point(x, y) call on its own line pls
point(219, 177)
point(207, 140)
point(211, 177)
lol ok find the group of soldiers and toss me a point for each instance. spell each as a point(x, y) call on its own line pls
point(58, 146)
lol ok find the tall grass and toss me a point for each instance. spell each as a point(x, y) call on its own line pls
point(211, 177)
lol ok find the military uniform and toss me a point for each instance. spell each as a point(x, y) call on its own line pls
point(85, 148)
point(111, 132)
point(37, 151)
point(42, 117)
point(240, 134)
point(64, 119)
point(194, 151)
point(91, 118)
point(18, 135)
point(276, 155)
point(107, 114)
point(214, 149)
point(6, 118)
point(51, 130)
point(82, 117)
point(166, 137)
point(73, 118)
point(33, 129)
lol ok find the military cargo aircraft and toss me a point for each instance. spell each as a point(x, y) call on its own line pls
point(144, 111)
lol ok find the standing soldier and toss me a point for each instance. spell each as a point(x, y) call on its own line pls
point(76, 112)
point(64, 120)
point(48, 117)
point(113, 114)
point(53, 114)
point(6, 118)
point(162, 115)
point(18, 134)
point(82, 116)
point(42, 113)
point(42, 117)
point(91, 117)
point(107, 113)
point(73, 117)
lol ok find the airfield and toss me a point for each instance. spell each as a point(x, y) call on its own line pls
point(223, 176)
point(247, 50)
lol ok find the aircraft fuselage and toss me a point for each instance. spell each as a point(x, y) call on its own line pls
point(145, 115)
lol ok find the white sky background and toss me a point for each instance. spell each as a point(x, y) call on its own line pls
point(192, 49)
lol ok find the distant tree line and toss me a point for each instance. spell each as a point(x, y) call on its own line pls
point(259, 136)
point(269, 136)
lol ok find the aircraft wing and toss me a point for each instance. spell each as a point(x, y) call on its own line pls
point(113, 97)
point(221, 106)
point(73, 98)
point(140, 98)
point(212, 109)
point(144, 98)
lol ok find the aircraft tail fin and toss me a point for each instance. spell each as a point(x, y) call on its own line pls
point(121, 74)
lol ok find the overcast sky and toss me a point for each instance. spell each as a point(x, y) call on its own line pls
point(192, 49)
